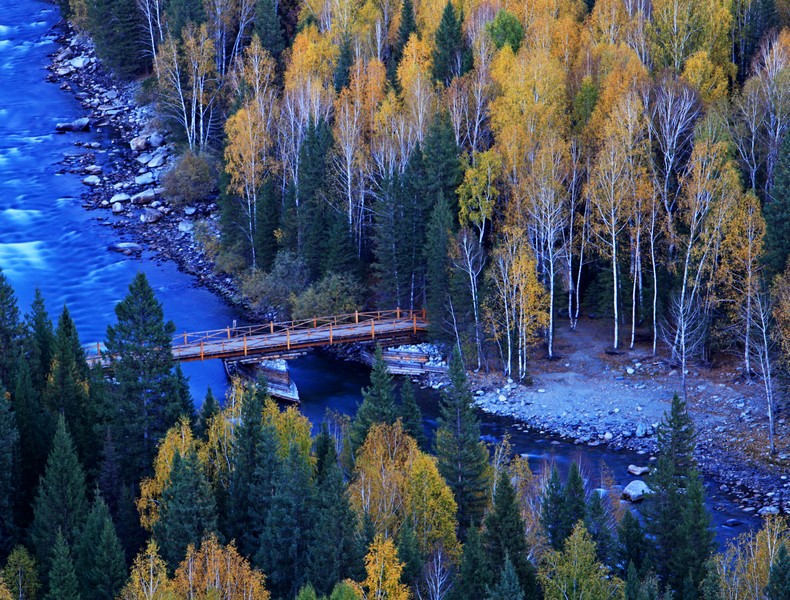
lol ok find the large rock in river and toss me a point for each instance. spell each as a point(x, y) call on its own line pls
point(150, 215)
point(139, 143)
point(636, 491)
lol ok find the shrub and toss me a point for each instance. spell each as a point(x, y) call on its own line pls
point(270, 293)
point(192, 178)
point(335, 294)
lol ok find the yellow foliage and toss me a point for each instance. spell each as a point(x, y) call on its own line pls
point(478, 192)
point(4, 593)
point(383, 571)
point(178, 440)
point(291, 428)
point(148, 579)
point(416, 83)
point(708, 79)
point(217, 571)
point(781, 293)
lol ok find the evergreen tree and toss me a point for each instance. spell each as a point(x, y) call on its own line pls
point(267, 224)
point(248, 435)
point(66, 390)
point(409, 555)
point(407, 27)
point(116, 28)
point(442, 163)
point(182, 397)
point(777, 215)
point(506, 29)
point(462, 457)
point(378, 402)
point(267, 465)
point(711, 585)
point(61, 503)
point(21, 574)
point(437, 266)
point(410, 413)
point(307, 593)
point(10, 332)
point(144, 405)
point(632, 583)
point(474, 574)
point(181, 12)
point(62, 579)
point(269, 27)
point(187, 512)
point(109, 478)
point(99, 560)
point(345, 61)
point(574, 505)
point(505, 538)
point(597, 524)
point(207, 412)
point(779, 578)
point(551, 510)
point(508, 587)
point(332, 554)
point(632, 545)
point(451, 57)
point(40, 341)
point(284, 540)
point(9, 451)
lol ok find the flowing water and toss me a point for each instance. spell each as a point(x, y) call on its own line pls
point(48, 240)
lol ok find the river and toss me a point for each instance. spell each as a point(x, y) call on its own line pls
point(48, 240)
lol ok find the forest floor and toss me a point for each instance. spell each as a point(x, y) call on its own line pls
point(594, 396)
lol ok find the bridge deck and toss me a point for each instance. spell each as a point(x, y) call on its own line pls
point(276, 338)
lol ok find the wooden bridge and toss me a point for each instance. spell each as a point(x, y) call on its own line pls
point(283, 338)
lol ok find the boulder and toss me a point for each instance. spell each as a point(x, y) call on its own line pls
point(150, 215)
point(186, 226)
point(157, 161)
point(120, 198)
point(156, 139)
point(79, 62)
point(641, 430)
point(768, 510)
point(139, 143)
point(93, 169)
point(190, 210)
point(636, 491)
point(608, 436)
point(144, 179)
point(117, 208)
point(92, 180)
point(638, 471)
point(144, 197)
point(126, 247)
point(83, 124)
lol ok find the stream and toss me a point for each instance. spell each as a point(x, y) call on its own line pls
point(48, 240)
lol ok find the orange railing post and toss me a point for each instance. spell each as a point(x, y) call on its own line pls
point(201, 349)
point(356, 316)
point(315, 322)
point(330, 334)
point(288, 338)
point(424, 316)
point(397, 313)
point(414, 323)
point(372, 329)
point(228, 332)
point(98, 349)
point(271, 326)
point(245, 345)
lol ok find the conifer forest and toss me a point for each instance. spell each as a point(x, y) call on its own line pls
point(510, 166)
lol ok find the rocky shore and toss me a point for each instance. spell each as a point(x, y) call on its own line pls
point(123, 174)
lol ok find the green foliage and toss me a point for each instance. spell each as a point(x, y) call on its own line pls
point(632, 545)
point(410, 413)
point(10, 331)
point(777, 215)
point(21, 574)
point(551, 510)
point(269, 27)
point(506, 29)
point(474, 574)
point(462, 457)
point(40, 341)
point(406, 27)
point(270, 293)
point(188, 510)
point(181, 12)
point(597, 522)
point(307, 593)
point(584, 103)
point(378, 402)
point(62, 578)
point(99, 559)
point(208, 411)
point(441, 162)
point(334, 294)
point(145, 402)
point(437, 265)
point(409, 555)
point(192, 179)
point(61, 503)
point(574, 506)
point(451, 57)
point(508, 587)
point(266, 465)
point(504, 536)
point(711, 585)
point(116, 27)
point(345, 61)
point(779, 579)
point(344, 591)
point(9, 450)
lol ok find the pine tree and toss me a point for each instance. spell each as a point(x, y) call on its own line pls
point(474, 574)
point(181, 12)
point(283, 548)
point(777, 215)
point(345, 61)
point(378, 402)
point(10, 332)
point(779, 578)
point(310, 238)
point(508, 587)
point(109, 478)
point(442, 163)
point(409, 555)
point(99, 559)
point(40, 341)
point(410, 413)
point(437, 266)
point(61, 503)
point(574, 506)
point(62, 578)
point(267, 465)
point(21, 574)
point(597, 523)
point(332, 553)
point(269, 28)
point(268, 223)
point(248, 435)
point(632, 583)
point(9, 453)
point(116, 27)
point(407, 27)
point(143, 407)
point(307, 593)
point(551, 510)
point(711, 585)
point(451, 57)
point(462, 457)
point(182, 404)
point(505, 538)
point(188, 510)
point(632, 545)
point(207, 412)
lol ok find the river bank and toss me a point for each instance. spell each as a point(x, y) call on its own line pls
point(122, 178)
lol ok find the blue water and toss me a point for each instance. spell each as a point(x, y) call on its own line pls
point(48, 240)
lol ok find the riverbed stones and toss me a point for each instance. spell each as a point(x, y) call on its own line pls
point(127, 248)
point(120, 198)
point(156, 139)
point(150, 215)
point(92, 180)
point(157, 161)
point(80, 62)
point(638, 471)
point(144, 197)
point(139, 143)
point(186, 226)
point(146, 178)
point(93, 169)
point(190, 211)
point(636, 491)
point(768, 510)
point(117, 208)
point(82, 124)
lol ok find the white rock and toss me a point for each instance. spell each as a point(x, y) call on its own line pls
point(117, 208)
point(636, 491)
point(144, 197)
point(79, 62)
point(120, 198)
point(502, 398)
point(139, 143)
point(156, 140)
point(768, 510)
point(186, 226)
point(638, 471)
point(608, 436)
point(150, 215)
point(144, 179)
point(156, 161)
point(630, 371)
point(93, 169)
point(92, 180)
